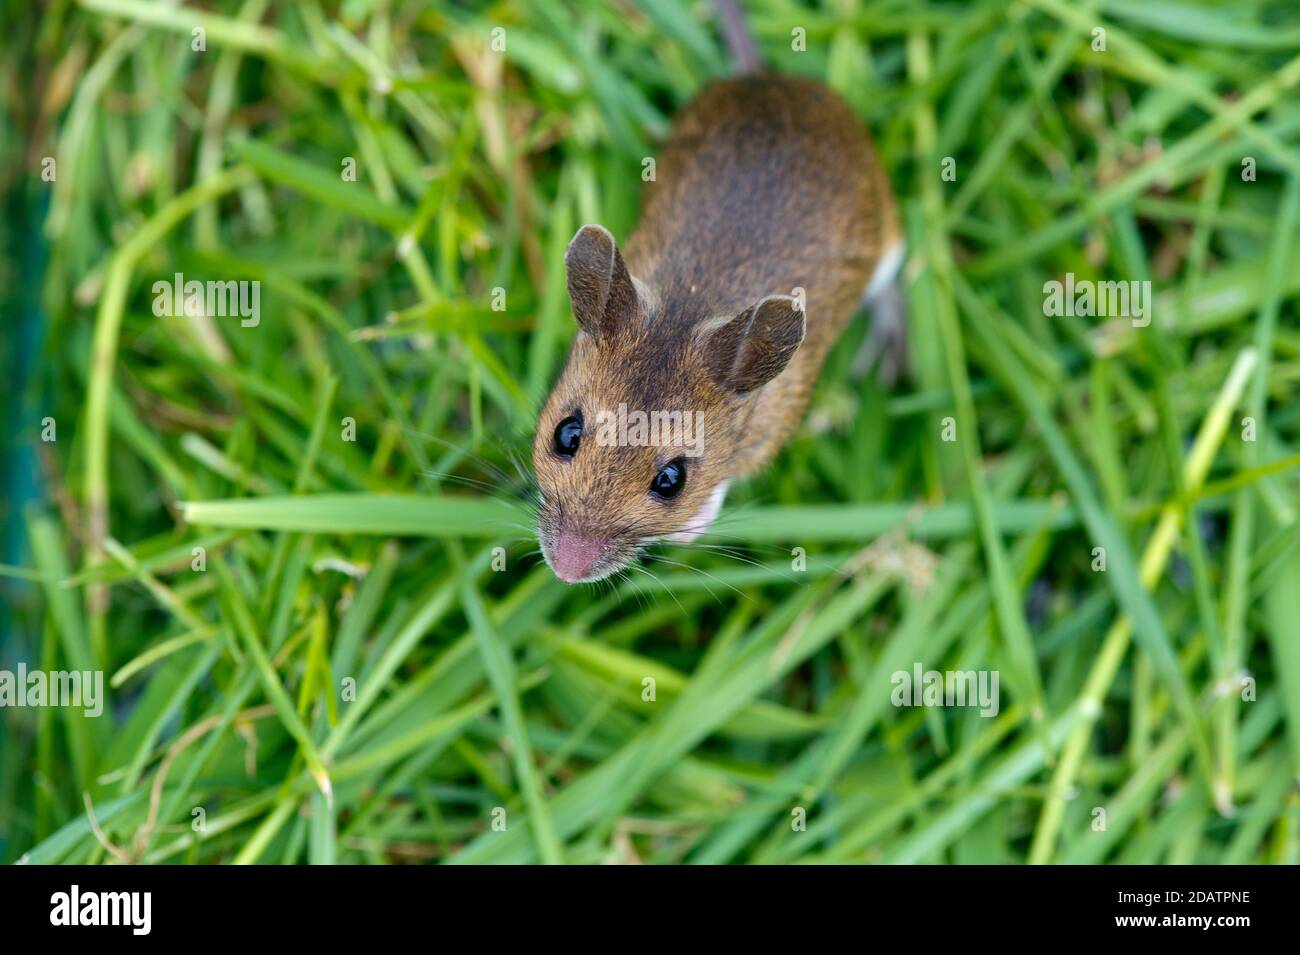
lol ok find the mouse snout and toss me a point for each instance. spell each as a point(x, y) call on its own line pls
point(574, 556)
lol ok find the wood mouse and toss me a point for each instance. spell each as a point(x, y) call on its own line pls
point(768, 220)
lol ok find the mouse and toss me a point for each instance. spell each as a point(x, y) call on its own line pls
point(700, 338)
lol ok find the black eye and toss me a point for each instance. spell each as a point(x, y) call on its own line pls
point(670, 480)
point(568, 434)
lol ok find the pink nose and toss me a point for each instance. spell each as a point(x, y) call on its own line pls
point(574, 556)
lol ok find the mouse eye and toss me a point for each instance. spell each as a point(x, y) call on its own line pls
point(568, 435)
point(670, 480)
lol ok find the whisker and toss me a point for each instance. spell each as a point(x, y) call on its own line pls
point(655, 577)
point(733, 554)
point(677, 563)
point(459, 479)
point(637, 592)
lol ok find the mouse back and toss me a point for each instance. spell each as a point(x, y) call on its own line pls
point(767, 184)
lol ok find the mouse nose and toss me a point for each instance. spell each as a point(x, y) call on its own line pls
point(575, 555)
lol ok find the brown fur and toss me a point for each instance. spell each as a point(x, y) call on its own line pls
point(767, 184)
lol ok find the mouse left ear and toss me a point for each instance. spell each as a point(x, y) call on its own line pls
point(600, 289)
point(755, 346)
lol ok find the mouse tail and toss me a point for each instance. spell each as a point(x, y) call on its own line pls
point(739, 39)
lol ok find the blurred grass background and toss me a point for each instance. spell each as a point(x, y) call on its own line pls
point(350, 679)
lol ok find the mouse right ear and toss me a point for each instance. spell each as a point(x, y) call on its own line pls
point(751, 349)
point(600, 288)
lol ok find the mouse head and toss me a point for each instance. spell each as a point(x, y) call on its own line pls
point(637, 440)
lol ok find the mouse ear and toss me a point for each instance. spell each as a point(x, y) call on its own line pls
point(755, 346)
point(600, 288)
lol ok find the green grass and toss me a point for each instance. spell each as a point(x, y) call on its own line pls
point(351, 676)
